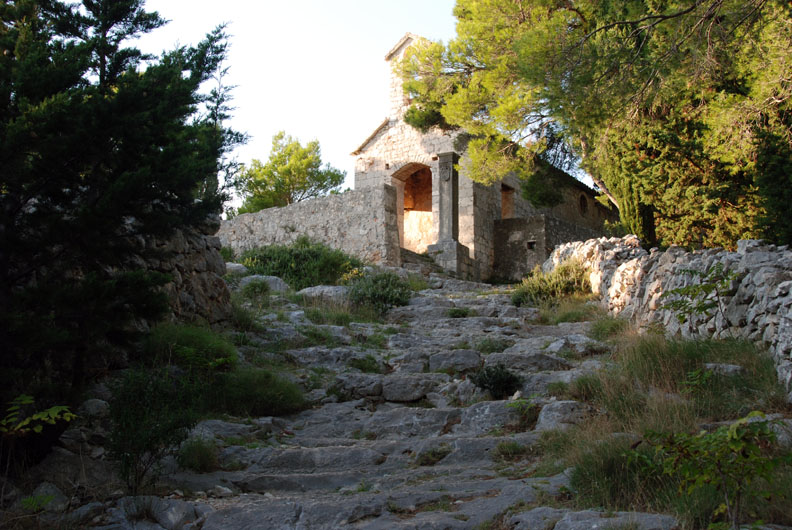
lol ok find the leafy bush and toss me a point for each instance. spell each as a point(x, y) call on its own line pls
point(197, 349)
point(499, 381)
point(302, 264)
point(381, 291)
point(199, 455)
point(255, 392)
point(151, 414)
point(731, 459)
point(567, 278)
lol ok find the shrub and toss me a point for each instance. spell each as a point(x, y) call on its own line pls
point(151, 414)
point(500, 382)
point(381, 291)
point(566, 279)
point(433, 456)
point(199, 455)
point(302, 264)
point(255, 392)
point(197, 349)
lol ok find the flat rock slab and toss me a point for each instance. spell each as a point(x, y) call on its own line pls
point(533, 362)
point(544, 517)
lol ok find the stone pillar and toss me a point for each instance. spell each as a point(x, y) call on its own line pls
point(448, 252)
point(448, 184)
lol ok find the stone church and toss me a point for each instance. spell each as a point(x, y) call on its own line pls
point(473, 230)
point(409, 196)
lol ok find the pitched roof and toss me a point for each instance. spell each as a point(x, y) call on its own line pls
point(407, 36)
point(370, 137)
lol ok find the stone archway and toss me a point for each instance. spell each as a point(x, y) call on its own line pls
point(414, 203)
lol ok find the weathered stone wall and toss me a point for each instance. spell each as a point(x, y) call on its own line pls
point(632, 282)
point(361, 222)
point(192, 260)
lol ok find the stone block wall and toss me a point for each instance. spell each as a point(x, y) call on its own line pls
point(191, 257)
point(361, 222)
point(631, 282)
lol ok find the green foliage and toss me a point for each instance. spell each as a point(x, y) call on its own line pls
point(256, 292)
point(254, 392)
point(733, 459)
point(380, 290)
point(151, 414)
point(492, 345)
point(243, 318)
point(302, 264)
point(702, 297)
point(292, 174)
point(433, 456)
point(527, 413)
point(367, 364)
point(16, 424)
point(36, 503)
point(679, 112)
point(498, 380)
point(199, 350)
point(511, 451)
point(571, 308)
point(199, 455)
point(607, 327)
point(102, 147)
point(460, 312)
point(567, 278)
point(227, 253)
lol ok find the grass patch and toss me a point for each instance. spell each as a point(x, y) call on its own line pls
point(302, 264)
point(367, 364)
point(243, 318)
point(572, 308)
point(416, 282)
point(199, 455)
point(491, 345)
point(255, 392)
point(433, 456)
point(257, 293)
point(199, 350)
point(339, 314)
point(460, 312)
point(566, 279)
point(511, 451)
point(607, 327)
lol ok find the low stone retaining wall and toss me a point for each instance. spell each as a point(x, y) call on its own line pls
point(361, 222)
point(632, 281)
point(192, 259)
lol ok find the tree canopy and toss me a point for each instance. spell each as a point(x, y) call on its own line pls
point(292, 174)
point(101, 147)
point(679, 110)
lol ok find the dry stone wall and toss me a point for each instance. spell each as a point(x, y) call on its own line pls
point(191, 258)
point(361, 222)
point(632, 281)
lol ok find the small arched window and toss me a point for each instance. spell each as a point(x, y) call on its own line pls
point(583, 205)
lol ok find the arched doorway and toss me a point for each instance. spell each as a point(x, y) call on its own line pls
point(414, 188)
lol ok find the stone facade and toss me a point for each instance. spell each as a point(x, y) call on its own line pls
point(361, 222)
point(409, 160)
point(632, 282)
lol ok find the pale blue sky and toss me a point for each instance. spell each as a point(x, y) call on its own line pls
point(314, 68)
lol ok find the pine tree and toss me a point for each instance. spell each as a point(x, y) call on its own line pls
point(101, 147)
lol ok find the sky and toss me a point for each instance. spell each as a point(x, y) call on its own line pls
point(313, 68)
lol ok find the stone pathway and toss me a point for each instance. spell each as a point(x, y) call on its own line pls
point(417, 445)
